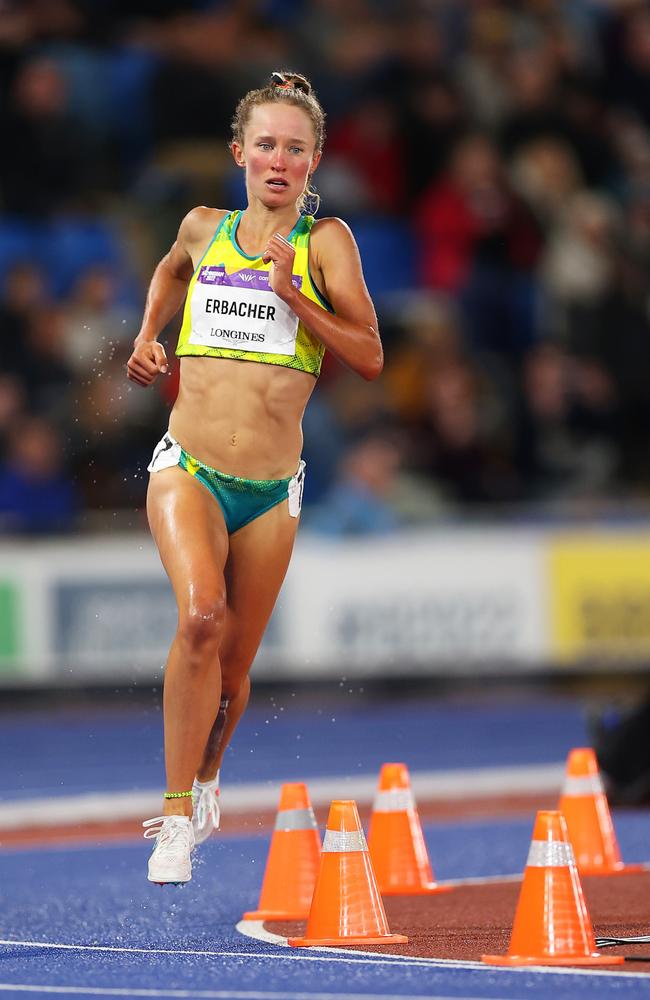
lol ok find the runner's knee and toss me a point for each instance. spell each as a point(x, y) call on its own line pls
point(200, 627)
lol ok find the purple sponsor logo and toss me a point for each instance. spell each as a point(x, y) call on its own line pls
point(211, 275)
point(246, 278)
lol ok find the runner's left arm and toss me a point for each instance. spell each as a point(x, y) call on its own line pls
point(351, 334)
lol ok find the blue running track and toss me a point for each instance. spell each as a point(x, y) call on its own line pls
point(130, 938)
point(70, 752)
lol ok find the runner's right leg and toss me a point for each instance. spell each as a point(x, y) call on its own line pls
point(189, 530)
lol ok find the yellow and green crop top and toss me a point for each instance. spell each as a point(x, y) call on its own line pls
point(232, 312)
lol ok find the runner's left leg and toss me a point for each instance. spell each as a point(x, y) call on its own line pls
point(257, 563)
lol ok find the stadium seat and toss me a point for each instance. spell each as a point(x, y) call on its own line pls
point(388, 255)
point(69, 247)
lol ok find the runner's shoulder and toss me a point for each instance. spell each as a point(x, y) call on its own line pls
point(331, 227)
point(199, 225)
point(332, 235)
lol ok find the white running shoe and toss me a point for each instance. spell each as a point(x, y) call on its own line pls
point(170, 858)
point(206, 813)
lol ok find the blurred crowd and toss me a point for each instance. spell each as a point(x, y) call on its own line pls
point(493, 160)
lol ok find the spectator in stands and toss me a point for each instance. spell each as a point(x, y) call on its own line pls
point(12, 408)
point(579, 262)
point(36, 495)
point(44, 367)
point(93, 322)
point(597, 281)
point(548, 103)
point(47, 164)
point(428, 105)
point(428, 336)
point(359, 501)
point(111, 437)
point(349, 45)
point(368, 141)
point(193, 86)
point(479, 69)
point(565, 441)
point(546, 174)
point(324, 444)
point(24, 291)
point(463, 441)
point(433, 119)
point(479, 241)
point(532, 75)
point(626, 51)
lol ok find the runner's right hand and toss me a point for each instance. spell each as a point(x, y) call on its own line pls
point(147, 362)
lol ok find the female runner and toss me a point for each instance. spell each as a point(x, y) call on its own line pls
point(266, 291)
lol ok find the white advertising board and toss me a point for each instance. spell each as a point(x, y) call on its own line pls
point(421, 603)
point(101, 610)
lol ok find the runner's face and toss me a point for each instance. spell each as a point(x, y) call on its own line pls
point(278, 153)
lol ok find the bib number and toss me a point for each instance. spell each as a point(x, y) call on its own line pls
point(241, 317)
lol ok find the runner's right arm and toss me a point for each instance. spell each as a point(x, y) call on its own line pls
point(166, 295)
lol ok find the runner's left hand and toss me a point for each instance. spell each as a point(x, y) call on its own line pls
point(280, 252)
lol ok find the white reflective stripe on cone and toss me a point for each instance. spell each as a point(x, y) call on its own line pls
point(338, 842)
point(296, 819)
point(394, 800)
point(591, 785)
point(550, 854)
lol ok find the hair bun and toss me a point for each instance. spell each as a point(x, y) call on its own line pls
point(290, 81)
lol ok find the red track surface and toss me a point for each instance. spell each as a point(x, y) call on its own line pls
point(476, 919)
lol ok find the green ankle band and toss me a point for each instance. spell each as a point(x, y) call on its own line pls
point(177, 795)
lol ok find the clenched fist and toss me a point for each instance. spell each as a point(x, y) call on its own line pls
point(147, 362)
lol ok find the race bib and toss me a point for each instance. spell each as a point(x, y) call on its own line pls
point(167, 453)
point(241, 312)
point(295, 490)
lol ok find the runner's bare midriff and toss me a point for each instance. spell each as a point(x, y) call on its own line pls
point(240, 417)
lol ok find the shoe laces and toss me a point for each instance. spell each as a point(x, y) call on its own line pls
point(207, 806)
point(172, 836)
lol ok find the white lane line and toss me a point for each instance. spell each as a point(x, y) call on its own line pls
point(365, 957)
point(255, 929)
point(216, 994)
point(326, 955)
point(482, 782)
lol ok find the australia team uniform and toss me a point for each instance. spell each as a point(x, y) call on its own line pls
point(231, 311)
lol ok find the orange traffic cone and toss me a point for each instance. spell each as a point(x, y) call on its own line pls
point(347, 907)
point(588, 819)
point(552, 925)
point(293, 860)
point(395, 841)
